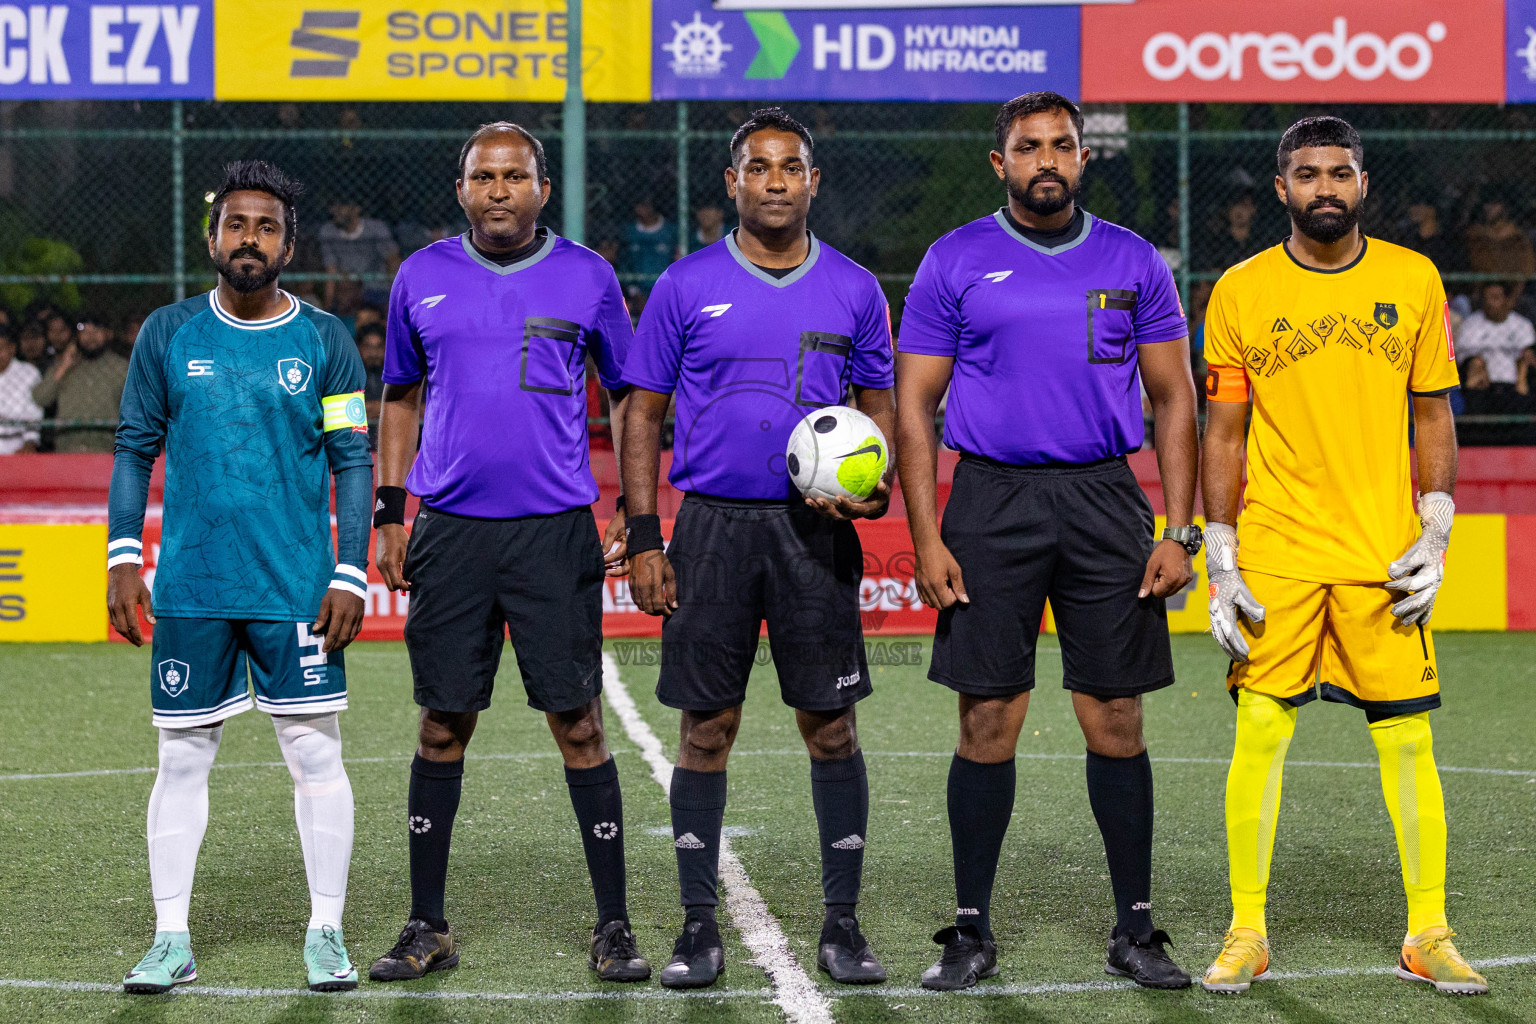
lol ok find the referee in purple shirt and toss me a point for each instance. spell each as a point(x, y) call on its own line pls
point(1039, 319)
point(489, 334)
point(751, 334)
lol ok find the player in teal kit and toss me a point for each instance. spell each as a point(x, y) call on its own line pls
point(257, 400)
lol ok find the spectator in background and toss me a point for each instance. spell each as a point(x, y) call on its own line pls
point(1496, 245)
point(1237, 241)
point(353, 244)
point(1425, 235)
point(1497, 334)
point(17, 379)
point(608, 249)
point(650, 243)
point(1169, 250)
point(60, 332)
point(86, 383)
point(128, 333)
point(367, 314)
point(709, 226)
point(32, 346)
point(370, 345)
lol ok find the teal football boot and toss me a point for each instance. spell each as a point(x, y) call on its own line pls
point(169, 962)
point(330, 969)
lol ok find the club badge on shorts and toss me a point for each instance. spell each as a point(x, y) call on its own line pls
point(175, 676)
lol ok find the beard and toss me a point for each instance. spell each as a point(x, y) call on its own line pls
point(1324, 222)
point(248, 281)
point(1040, 204)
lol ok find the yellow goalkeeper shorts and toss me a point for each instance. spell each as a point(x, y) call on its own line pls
point(1335, 641)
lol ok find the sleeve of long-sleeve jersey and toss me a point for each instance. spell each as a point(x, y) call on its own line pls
point(346, 449)
point(342, 400)
point(354, 502)
point(142, 418)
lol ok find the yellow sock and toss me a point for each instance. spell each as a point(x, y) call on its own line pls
point(1264, 729)
point(1412, 788)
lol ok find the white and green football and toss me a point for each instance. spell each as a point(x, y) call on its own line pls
point(836, 451)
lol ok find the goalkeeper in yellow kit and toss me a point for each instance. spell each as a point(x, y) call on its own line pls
point(1331, 334)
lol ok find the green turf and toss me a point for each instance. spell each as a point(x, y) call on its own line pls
point(74, 900)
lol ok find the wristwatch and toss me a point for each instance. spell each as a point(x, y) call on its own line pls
point(1189, 536)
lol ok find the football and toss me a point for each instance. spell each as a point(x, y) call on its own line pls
point(836, 451)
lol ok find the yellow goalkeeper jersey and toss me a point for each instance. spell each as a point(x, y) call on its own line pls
point(1329, 358)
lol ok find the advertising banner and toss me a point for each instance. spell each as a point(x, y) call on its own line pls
point(414, 50)
point(1520, 51)
point(1295, 51)
point(1480, 591)
point(53, 581)
point(968, 54)
point(77, 50)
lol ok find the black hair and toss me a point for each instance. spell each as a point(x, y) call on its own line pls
point(258, 176)
point(774, 119)
point(1326, 130)
point(541, 165)
point(1033, 103)
point(370, 329)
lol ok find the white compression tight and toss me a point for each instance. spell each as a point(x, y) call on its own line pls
point(178, 817)
point(322, 807)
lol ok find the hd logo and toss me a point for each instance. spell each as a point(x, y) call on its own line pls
point(340, 53)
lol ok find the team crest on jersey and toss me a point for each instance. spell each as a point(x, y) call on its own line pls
point(1386, 314)
point(293, 374)
point(175, 676)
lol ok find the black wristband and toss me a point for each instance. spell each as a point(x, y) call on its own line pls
point(618, 505)
point(388, 506)
point(642, 533)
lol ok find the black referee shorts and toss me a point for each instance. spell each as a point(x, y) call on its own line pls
point(473, 580)
point(741, 562)
point(1079, 535)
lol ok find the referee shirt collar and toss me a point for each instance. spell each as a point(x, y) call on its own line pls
point(1070, 243)
point(510, 268)
point(763, 275)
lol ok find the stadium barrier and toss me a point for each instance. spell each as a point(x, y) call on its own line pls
point(53, 566)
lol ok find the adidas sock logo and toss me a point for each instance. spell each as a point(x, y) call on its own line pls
point(688, 841)
point(849, 843)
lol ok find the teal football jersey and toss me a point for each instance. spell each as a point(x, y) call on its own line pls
point(253, 416)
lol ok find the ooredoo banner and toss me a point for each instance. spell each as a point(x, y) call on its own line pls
point(1334, 51)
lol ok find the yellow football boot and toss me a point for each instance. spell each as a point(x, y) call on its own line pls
point(1430, 956)
point(1244, 959)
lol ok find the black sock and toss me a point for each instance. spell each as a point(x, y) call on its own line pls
point(431, 805)
point(840, 793)
point(1120, 792)
point(980, 804)
point(698, 810)
point(600, 815)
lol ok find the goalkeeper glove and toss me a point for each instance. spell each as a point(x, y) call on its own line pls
point(1229, 594)
point(1422, 567)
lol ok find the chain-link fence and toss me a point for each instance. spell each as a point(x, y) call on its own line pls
point(103, 205)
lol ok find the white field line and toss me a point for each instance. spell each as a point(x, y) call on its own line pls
point(793, 990)
point(982, 991)
point(1522, 773)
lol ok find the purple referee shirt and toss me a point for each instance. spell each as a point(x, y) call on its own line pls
point(1044, 339)
point(503, 352)
point(749, 354)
